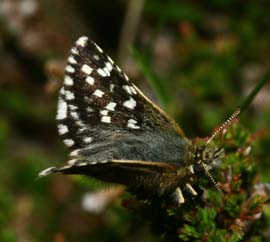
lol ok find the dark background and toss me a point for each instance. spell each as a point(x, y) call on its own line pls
point(206, 57)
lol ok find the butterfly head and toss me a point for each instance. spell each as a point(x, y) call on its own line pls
point(206, 156)
point(210, 156)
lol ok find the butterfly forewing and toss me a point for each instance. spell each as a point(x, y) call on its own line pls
point(97, 98)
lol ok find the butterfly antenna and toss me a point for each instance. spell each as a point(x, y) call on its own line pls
point(204, 166)
point(225, 124)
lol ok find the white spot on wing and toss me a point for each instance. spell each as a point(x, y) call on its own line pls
point(111, 87)
point(132, 121)
point(72, 60)
point(74, 51)
point(110, 60)
point(98, 48)
point(101, 72)
point(62, 91)
point(72, 107)
point(46, 172)
point(109, 66)
point(111, 106)
point(105, 69)
point(87, 99)
point(98, 93)
point(104, 112)
point(132, 124)
point(61, 109)
point(72, 162)
point(81, 130)
point(88, 109)
point(126, 77)
point(68, 81)
point(70, 69)
point(69, 95)
point(87, 140)
point(106, 119)
point(82, 41)
point(74, 115)
point(75, 152)
point(68, 142)
point(65, 167)
point(96, 57)
point(127, 89)
point(90, 80)
point(62, 129)
point(80, 123)
point(118, 69)
point(87, 69)
point(133, 90)
point(131, 103)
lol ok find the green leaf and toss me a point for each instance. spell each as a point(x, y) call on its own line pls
point(245, 104)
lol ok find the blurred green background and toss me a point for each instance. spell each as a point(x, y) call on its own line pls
point(199, 59)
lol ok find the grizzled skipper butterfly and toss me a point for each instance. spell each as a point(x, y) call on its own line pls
point(116, 134)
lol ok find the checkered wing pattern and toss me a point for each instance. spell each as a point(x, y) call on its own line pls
point(98, 99)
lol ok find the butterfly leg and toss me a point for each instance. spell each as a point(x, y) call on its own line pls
point(178, 196)
point(191, 189)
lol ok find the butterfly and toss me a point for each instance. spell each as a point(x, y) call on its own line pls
point(116, 134)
